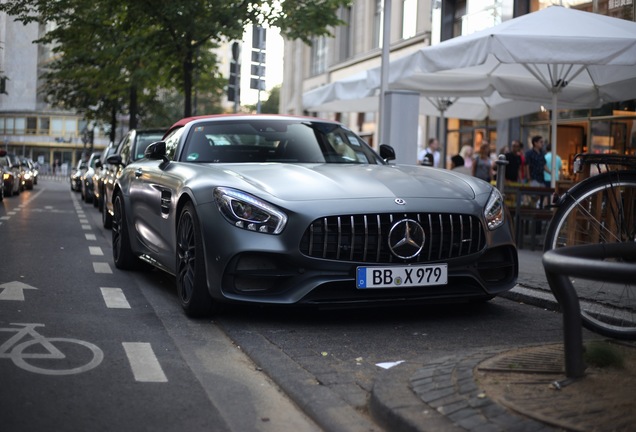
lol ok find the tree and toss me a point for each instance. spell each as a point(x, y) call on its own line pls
point(271, 105)
point(126, 50)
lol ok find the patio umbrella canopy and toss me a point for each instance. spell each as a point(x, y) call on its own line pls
point(557, 56)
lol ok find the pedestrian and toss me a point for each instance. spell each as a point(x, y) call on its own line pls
point(522, 169)
point(514, 163)
point(547, 172)
point(535, 162)
point(482, 165)
point(467, 152)
point(458, 164)
point(433, 149)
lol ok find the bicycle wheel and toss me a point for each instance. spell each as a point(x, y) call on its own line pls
point(600, 209)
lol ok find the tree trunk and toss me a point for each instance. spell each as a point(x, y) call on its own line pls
point(113, 124)
point(133, 108)
point(188, 68)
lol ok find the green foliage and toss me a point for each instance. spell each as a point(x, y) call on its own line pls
point(126, 55)
point(603, 354)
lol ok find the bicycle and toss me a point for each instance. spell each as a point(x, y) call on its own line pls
point(600, 209)
point(19, 351)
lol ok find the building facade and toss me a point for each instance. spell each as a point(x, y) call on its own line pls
point(414, 24)
point(28, 125)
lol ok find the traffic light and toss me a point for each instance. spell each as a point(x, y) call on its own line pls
point(234, 82)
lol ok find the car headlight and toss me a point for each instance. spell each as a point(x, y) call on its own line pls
point(248, 212)
point(494, 210)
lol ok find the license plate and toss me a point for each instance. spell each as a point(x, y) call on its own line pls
point(401, 276)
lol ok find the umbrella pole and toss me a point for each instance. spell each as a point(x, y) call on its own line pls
point(553, 141)
point(442, 139)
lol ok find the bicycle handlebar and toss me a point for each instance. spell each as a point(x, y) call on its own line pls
point(581, 159)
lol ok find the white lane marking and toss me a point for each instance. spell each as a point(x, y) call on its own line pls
point(91, 237)
point(143, 362)
point(95, 250)
point(102, 267)
point(5, 217)
point(86, 227)
point(83, 221)
point(114, 298)
point(13, 290)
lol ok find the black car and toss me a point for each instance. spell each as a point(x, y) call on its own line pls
point(11, 173)
point(76, 175)
point(29, 173)
point(130, 149)
point(86, 179)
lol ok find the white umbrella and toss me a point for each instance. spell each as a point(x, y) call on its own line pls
point(451, 94)
point(561, 56)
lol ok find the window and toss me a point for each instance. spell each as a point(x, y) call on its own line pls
point(70, 127)
point(319, 56)
point(20, 125)
point(378, 23)
point(344, 35)
point(409, 18)
point(57, 126)
point(45, 125)
point(31, 125)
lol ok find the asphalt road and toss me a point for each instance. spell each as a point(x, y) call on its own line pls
point(82, 348)
point(250, 368)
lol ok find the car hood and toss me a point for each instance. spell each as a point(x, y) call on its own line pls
point(300, 182)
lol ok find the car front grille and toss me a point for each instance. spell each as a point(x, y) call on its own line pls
point(364, 238)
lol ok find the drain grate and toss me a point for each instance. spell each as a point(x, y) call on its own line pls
point(548, 359)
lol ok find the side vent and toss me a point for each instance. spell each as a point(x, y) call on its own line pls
point(165, 202)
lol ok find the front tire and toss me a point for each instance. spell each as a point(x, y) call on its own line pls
point(192, 286)
point(123, 255)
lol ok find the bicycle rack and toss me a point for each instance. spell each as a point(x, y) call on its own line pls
point(584, 261)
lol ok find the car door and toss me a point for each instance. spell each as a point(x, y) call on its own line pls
point(149, 194)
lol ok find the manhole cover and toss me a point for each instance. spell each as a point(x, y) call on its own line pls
point(548, 359)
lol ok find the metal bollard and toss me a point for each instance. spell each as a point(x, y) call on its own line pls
point(501, 172)
point(587, 262)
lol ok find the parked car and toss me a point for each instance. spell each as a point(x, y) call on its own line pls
point(86, 178)
point(130, 148)
point(294, 210)
point(76, 175)
point(11, 173)
point(101, 170)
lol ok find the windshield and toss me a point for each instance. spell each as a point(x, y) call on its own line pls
point(268, 140)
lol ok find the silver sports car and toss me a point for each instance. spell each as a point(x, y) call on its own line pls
point(297, 210)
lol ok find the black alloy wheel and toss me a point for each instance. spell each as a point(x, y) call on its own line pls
point(191, 276)
point(123, 255)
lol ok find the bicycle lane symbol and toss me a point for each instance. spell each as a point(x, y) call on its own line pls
point(47, 352)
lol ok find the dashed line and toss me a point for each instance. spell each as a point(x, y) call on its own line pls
point(143, 362)
point(83, 221)
point(95, 250)
point(91, 237)
point(114, 298)
point(86, 227)
point(102, 267)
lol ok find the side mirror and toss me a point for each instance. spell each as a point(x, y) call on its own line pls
point(156, 150)
point(387, 152)
point(114, 159)
point(98, 163)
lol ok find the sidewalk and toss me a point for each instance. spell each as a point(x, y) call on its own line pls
point(481, 392)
